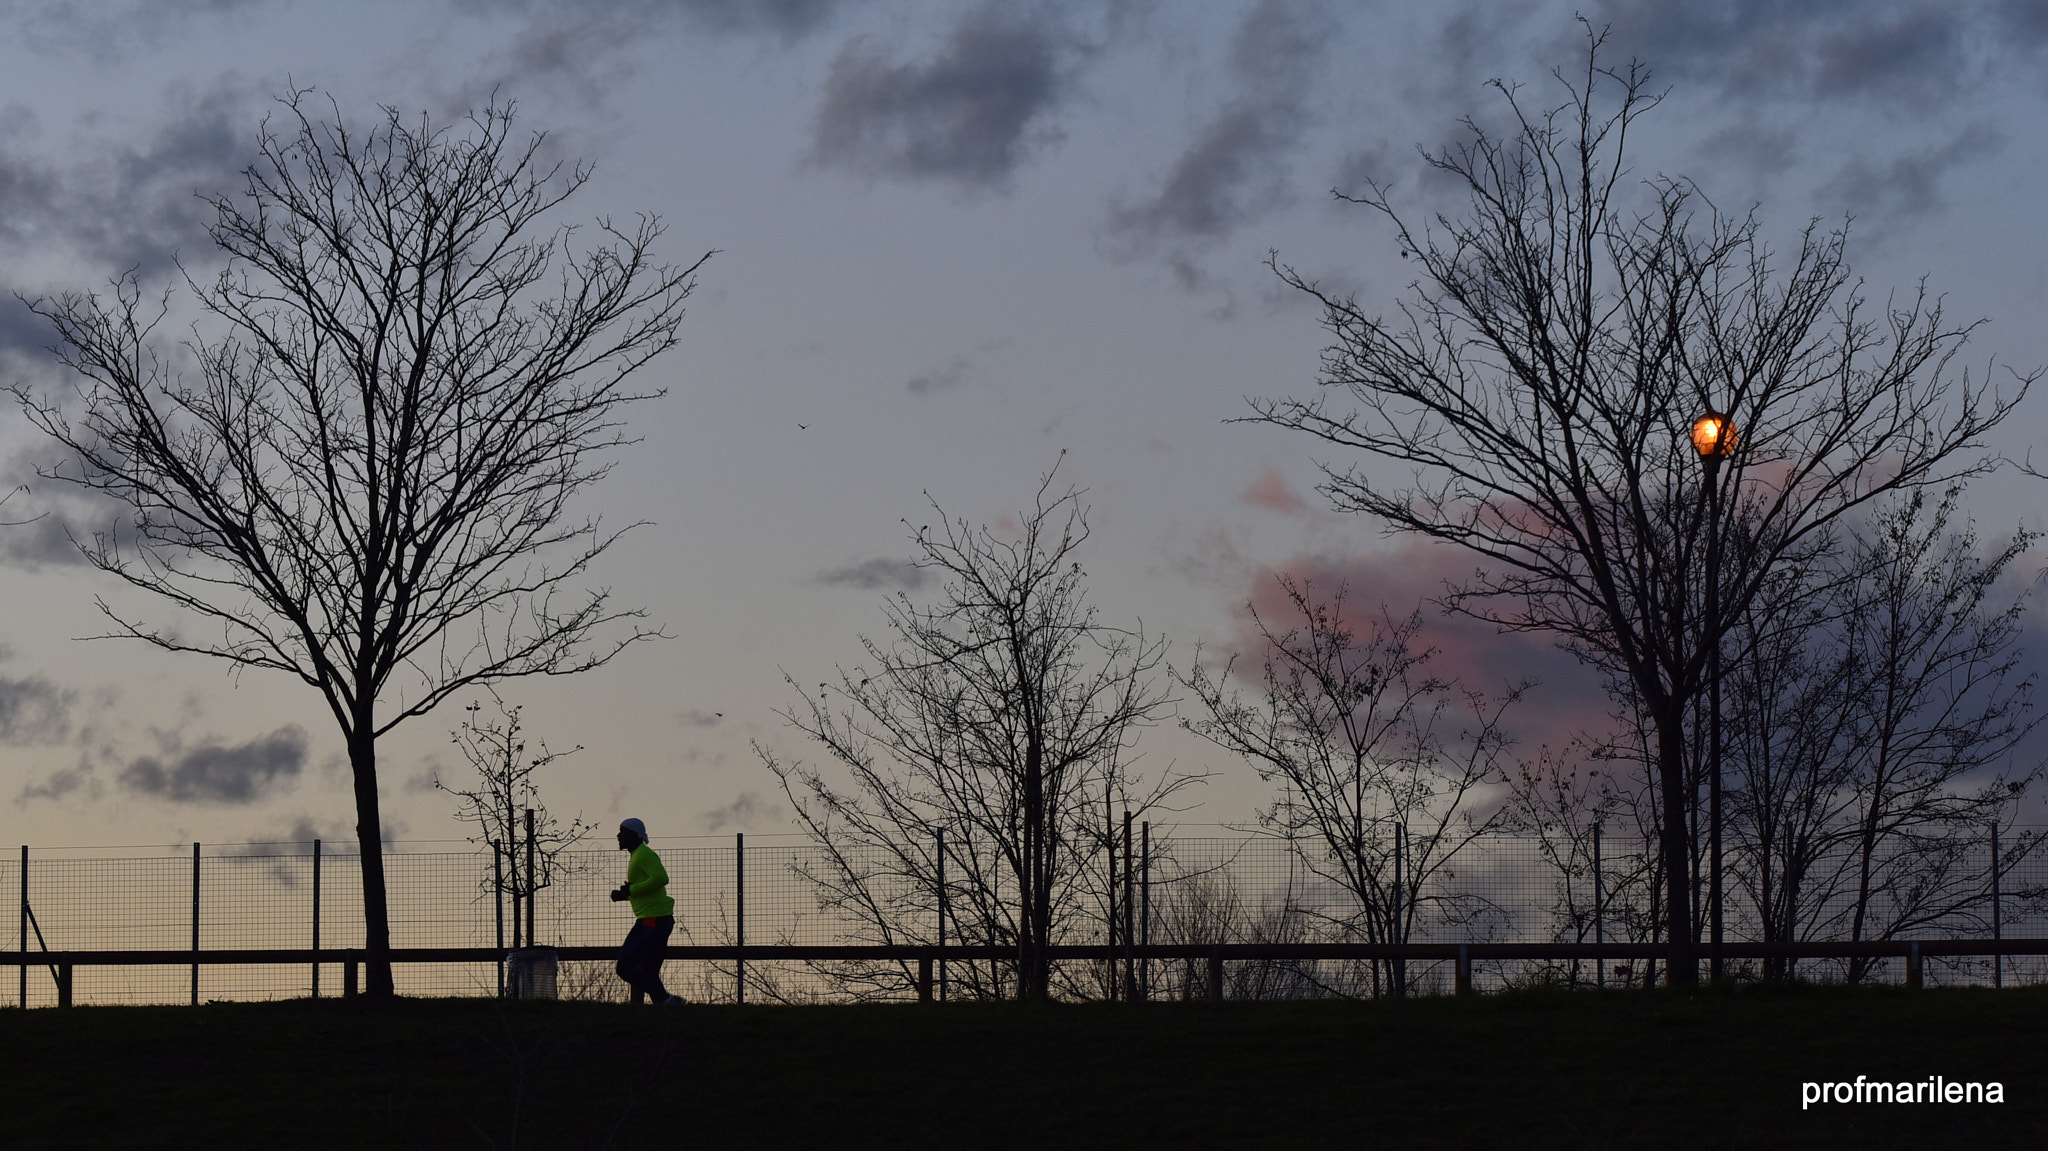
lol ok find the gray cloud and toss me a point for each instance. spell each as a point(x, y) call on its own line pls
point(950, 376)
point(34, 710)
point(107, 32)
point(58, 784)
point(697, 717)
point(130, 206)
point(1234, 170)
point(750, 810)
point(22, 332)
point(789, 19)
point(217, 773)
point(971, 113)
point(1909, 185)
point(38, 543)
point(874, 574)
point(1906, 51)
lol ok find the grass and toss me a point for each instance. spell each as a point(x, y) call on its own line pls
point(1716, 1068)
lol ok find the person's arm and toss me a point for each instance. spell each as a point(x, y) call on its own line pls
point(625, 890)
point(645, 874)
point(653, 877)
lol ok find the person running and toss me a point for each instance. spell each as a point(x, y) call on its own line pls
point(654, 913)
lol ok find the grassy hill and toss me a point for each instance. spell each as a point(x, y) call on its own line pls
point(1719, 1068)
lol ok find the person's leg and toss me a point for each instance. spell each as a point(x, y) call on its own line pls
point(656, 951)
point(633, 961)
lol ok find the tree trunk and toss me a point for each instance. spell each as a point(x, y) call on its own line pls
point(1034, 901)
point(362, 756)
point(1682, 967)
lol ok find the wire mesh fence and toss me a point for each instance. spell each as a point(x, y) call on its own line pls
point(1192, 886)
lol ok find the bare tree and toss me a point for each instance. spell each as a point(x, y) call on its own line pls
point(505, 805)
point(999, 718)
point(359, 467)
point(1875, 733)
point(1381, 763)
point(1539, 380)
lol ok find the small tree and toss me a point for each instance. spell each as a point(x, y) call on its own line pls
point(405, 377)
point(1380, 763)
point(527, 841)
point(998, 718)
point(1875, 731)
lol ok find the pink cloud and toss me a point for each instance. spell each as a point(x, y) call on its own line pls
point(1566, 701)
point(1271, 492)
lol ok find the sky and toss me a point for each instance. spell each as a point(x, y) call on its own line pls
point(954, 240)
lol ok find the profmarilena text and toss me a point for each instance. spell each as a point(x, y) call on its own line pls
point(1933, 1089)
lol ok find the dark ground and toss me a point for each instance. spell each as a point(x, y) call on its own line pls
point(1718, 1068)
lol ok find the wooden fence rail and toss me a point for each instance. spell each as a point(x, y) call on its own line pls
point(61, 964)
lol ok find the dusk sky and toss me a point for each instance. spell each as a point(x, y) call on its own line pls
point(953, 240)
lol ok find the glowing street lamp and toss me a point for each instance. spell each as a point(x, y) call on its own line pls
point(1713, 437)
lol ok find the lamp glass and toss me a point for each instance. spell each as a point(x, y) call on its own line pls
point(1713, 435)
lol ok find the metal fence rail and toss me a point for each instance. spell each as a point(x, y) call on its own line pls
point(191, 922)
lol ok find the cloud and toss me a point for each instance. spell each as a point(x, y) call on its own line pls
point(969, 114)
point(1909, 185)
point(697, 717)
point(107, 32)
point(34, 710)
point(950, 376)
point(1270, 491)
point(59, 784)
point(22, 333)
point(36, 543)
point(750, 810)
point(1910, 52)
point(131, 206)
point(873, 574)
point(1234, 169)
point(1567, 701)
point(787, 18)
point(217, 773)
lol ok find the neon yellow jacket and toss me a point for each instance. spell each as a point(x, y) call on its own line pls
point(648, 882)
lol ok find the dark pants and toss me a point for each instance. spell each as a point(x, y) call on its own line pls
point(640, 958)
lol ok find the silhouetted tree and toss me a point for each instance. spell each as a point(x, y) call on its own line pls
point(359, 467)
point(1531, 398)
point(504, 790)
point(1874, 721)
point(1000, 714)
point(1381, 764)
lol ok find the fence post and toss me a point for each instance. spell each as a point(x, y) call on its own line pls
point(316, 919)
point(939, 838)
point(348, 976)
point(64, 985)
point(1145, 910)
point(532, 883)
point(24, 928)
point(1599, 913)
point(1997, 924)
point(739, 867)
point(498, 905)
point(1130, 917)
point(924, 978)
point(1464, 975)
point(1396, 935)
point(1913, 973)
point(1114, 920)
point(195, 925)
point(1216, 974)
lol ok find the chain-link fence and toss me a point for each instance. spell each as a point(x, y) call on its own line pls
point(1190, 886)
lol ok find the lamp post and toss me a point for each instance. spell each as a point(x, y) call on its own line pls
point(1713, 436)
